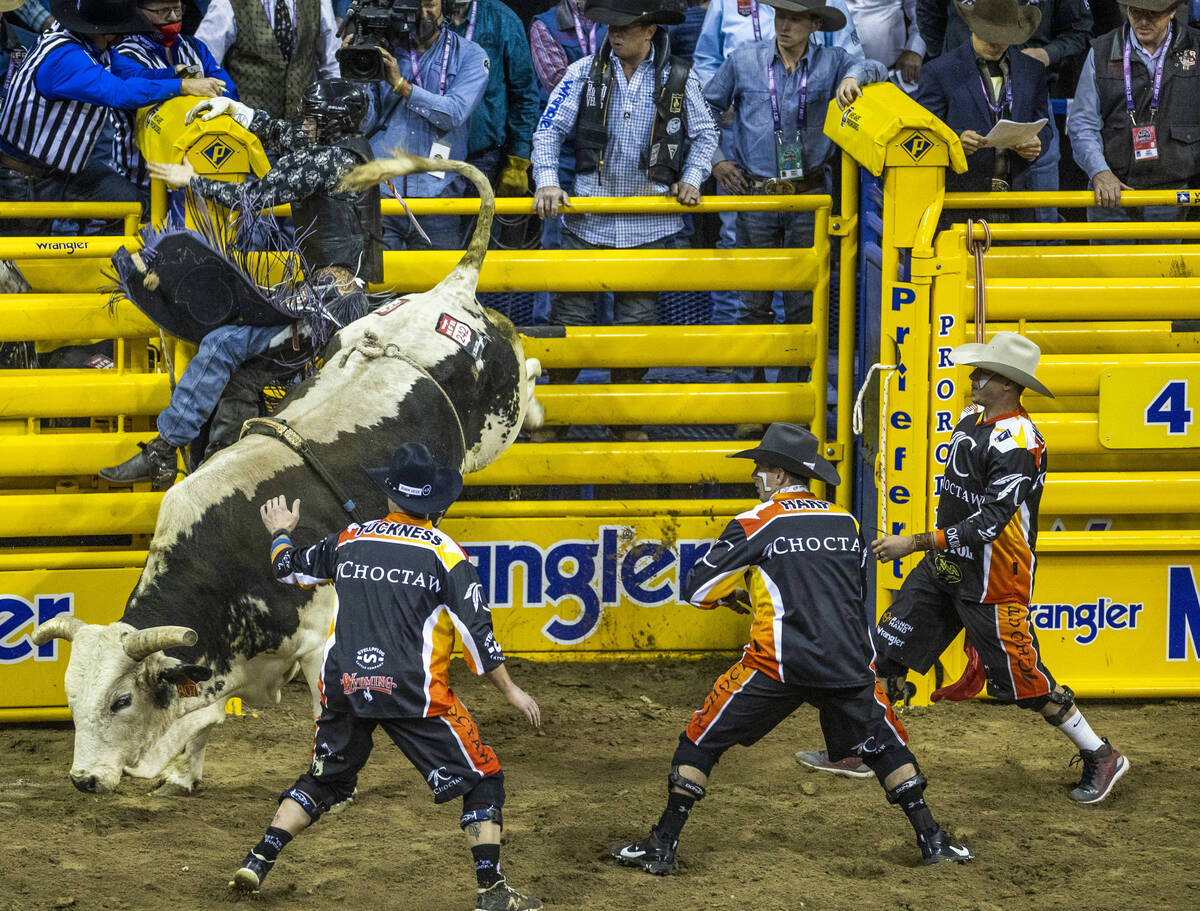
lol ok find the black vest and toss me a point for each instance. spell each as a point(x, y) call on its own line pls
point(1177, 124)
point(343, 230)
point(664, 157)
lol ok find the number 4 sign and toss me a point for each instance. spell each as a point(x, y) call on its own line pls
point(1150, 407)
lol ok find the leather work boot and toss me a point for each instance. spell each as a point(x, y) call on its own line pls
point(503, 897)
point(936, 847)
point(156, 462)
point(1101, 769)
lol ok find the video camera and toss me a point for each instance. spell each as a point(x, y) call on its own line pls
point(376, 24)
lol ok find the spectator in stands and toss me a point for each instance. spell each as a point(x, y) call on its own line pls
point(273, 49)
point(1059, 43)
point(1133, 120)
point(557, 38)
point(779, 91)
point(501, 128)
point(161, 54)
point(424, 106)
point(626, 144)
point(58, 104)
point(974, 85)
point(888, 31)
point(729, 24)
point(560, 36)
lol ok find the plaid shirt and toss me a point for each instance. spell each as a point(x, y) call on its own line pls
point(630, 118)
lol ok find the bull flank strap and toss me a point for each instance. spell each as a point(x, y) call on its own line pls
point(281, 430)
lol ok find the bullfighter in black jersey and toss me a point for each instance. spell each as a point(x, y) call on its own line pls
point(801, 559)
point(978, 569)
point(403, 589)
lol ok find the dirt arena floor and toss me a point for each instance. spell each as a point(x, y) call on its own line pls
point(771, 835)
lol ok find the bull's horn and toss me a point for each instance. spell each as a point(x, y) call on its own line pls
point(57, 628)
point(145, 642)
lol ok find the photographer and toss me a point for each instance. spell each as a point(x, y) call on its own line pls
point(431, 82)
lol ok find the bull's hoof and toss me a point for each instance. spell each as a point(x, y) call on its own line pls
point(173, 789)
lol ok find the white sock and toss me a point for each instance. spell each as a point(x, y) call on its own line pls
point(1080, 732)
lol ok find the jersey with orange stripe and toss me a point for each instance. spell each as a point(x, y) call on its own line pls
point(988, 512)
point(403, 590)
point(801, 559)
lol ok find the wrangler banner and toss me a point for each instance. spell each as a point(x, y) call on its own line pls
point(591, 588)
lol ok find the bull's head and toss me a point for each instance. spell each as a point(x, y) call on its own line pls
point(123, 695)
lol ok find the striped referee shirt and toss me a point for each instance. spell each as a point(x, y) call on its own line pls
point(139, 55)
point(59, 98)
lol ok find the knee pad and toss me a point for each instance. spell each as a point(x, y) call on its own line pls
point(675, 780)
point(687, 753)
point(483, 802)
point(1064, 700)
point(907, 790)
point(883, 764)
point(314, 808)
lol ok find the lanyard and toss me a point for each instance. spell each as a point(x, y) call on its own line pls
point(588, 44)
point(754, 18)
point(416, 68)
point(801, 108)
point(471, 23)
point(1158, 75)
point(998, 109)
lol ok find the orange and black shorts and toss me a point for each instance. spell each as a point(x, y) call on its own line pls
point(746, 704)
point(928, 613)
point(446, 749)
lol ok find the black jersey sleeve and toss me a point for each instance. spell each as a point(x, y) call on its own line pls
point(1012, 473)
point(473, 618)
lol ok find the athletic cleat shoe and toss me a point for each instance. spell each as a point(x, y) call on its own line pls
point(1101, 769)
point(653, 854)
point(503, 897)
point(936, 846)
point(850, 767)
point(250, 875)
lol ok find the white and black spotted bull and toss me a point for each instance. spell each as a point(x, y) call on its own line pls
point(207, 621)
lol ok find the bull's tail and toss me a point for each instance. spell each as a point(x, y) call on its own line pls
point(401, 163)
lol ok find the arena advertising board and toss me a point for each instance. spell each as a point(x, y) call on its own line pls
point(588, 588)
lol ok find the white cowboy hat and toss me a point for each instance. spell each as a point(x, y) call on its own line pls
point(1009, 355)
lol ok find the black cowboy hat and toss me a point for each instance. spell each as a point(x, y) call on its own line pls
point(832, 18)
point(416, 482)
point(794, 449)
point(631, 12)
point(100, 17)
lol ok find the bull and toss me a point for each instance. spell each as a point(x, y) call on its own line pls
point(206, 621)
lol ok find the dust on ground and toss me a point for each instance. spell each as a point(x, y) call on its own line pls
point(770, 835)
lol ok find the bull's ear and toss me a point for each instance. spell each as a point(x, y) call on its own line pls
point(185, 673)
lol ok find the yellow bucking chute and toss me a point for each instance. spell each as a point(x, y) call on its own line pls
point(886, 127)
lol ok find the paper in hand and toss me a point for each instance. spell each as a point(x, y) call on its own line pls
point(1008, 134)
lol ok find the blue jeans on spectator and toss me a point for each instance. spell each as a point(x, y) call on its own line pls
point(774, 230)
point(630, 308)
point(444, 231)
point(726, 304)
point(196, 394)
point(1042, 177)
point(1140, 213)
point(96, 182)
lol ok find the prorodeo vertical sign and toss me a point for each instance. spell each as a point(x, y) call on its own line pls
point(903, 497)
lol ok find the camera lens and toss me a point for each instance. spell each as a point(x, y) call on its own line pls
point(362, 64)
